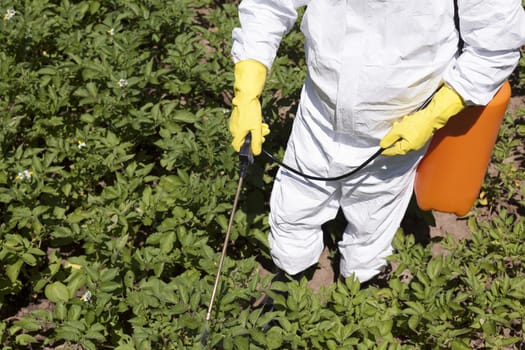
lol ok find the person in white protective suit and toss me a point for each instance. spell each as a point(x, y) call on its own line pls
point(370, 64)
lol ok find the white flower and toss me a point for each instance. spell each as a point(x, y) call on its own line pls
point(9, 14)
point(123, 83)
point(111, 31)
point(81, 144)
point(24, 175)
point(86, 297)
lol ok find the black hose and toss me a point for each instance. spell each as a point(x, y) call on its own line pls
point(350, 173)
point(319, 178)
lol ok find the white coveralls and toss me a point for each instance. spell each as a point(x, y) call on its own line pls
point(369, 62)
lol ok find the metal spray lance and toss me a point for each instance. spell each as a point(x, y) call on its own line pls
point(245, 158)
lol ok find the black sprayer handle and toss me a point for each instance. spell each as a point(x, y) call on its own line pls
point(245, 155)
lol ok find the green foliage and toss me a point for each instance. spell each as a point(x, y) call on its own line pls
point(116, 175)
point(506, 176)
point(116, 184)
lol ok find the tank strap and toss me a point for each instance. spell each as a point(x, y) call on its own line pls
point(458, 28)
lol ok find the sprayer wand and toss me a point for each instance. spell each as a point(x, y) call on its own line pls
point(245, 158)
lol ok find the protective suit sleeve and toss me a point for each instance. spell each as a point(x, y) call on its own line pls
point(492, 31)
point(263, 23)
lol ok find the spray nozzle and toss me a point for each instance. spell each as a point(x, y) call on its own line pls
point(245, 155)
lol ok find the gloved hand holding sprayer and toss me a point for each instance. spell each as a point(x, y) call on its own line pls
point(246, 116)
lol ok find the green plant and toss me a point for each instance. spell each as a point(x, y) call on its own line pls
point(116, 184)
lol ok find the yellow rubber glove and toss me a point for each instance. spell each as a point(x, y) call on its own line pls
point(414, 130)
point(246, 116)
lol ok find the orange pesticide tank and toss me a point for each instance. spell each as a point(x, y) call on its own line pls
point(450, 175)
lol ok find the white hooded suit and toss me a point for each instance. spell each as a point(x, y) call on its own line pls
point(369, 62)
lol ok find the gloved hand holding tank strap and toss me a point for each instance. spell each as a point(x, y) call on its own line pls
point(246, 117)
point(414, 130)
